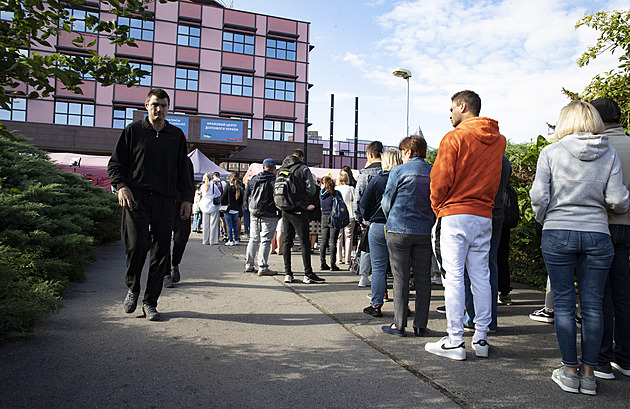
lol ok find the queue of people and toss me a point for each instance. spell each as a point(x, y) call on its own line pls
point(417, 219)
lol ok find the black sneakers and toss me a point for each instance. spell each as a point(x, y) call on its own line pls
point(131, 302)
point(313, 279)
point(324, 266)
point(175, 274)
point(373, 311)
point(150, 312)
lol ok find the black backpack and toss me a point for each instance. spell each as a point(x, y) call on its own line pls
point(261, 197)
point(510, 207)
point(285, 192)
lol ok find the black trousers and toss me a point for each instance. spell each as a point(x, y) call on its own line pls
point(292, 223)
point(147, 227)
point(181, 233)
point(329, 239)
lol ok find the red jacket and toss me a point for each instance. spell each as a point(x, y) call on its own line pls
point(466, 173)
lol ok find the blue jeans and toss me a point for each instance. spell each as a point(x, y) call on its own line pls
point(246, 220)
point(589, 255)
point(197, 221)
point(495, 240)
point(231, 220)
point(617, 302)
point(380, 258)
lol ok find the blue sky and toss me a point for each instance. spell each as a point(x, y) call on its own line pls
point(517, 55)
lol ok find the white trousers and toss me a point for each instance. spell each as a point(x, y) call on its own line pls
point(463, 241)
point(211, 227)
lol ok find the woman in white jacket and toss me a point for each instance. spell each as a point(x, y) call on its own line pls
point(210, 210)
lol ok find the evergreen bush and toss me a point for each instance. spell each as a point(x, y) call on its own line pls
point(50, 221)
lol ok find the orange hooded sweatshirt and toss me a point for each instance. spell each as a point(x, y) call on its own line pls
point(466, 173)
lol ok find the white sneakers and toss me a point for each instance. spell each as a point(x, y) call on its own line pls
point(481, 348)
point(229, 243)
point(364, 281)
point(444, 348)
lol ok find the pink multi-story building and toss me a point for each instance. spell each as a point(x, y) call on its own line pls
point(224, 69)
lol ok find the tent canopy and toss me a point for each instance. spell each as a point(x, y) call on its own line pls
point(203, 165)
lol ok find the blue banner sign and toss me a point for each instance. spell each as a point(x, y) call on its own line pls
point(221, 130)
point(179, 121)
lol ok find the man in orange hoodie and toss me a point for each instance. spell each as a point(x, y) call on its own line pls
point(464, 181)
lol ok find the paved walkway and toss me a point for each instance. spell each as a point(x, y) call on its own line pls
point(233, 340)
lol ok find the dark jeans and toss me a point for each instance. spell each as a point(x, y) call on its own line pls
point(503, 263)
point(292, 223)
point(148, 227)
point(329, 239)
point(589, 255)
point(616, 304)
point(469, 316)
point(405, 251)
point(181, 233)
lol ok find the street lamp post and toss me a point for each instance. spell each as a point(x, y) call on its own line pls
point(404, 74)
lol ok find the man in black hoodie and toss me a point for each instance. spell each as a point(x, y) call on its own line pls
point(149, 168)
point(262, 226)
point(297, 220)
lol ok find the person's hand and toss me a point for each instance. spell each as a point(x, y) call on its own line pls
point(310, 207)
point(185, 210)
point(125, 198)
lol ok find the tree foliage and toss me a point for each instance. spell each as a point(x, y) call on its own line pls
point(30, 24)
point(614, 30)
point(50, 221)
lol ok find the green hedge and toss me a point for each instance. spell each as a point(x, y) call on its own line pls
point(50, 221)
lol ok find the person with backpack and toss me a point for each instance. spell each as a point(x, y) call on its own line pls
point(329, 233)
point(264, 218)
point(211, 192)
point(294, 184)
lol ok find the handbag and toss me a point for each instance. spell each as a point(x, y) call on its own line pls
point(224, 208)
point(217, 199)
point(364, 244)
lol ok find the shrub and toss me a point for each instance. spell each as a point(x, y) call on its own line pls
point(50, 221)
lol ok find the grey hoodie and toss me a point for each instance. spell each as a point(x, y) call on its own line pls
point(578, 179)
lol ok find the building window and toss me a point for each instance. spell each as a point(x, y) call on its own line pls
point(188, 36)
point(122, 117)
point(17, 111)
point(74, 113)
point(233, 84)
point(280, 90)
point(78, 20)
point(238, 43)
point(146, 80)
point(186, 79)
point(138, 28)
point(278, 131)
point(249, 125)
point(282, 50)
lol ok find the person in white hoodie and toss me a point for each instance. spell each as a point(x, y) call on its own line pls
point(578, 179)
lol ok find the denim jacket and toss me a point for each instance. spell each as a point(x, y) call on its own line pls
point(406, 201)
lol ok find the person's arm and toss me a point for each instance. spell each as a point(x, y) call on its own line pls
point(118, 168)
point(358, 192)
point(391, 189)
point(443, 172)
point(616, 194)
point(366, 204)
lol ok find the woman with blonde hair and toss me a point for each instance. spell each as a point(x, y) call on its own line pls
point(372, 212)
point(578, 180)
point(210, 210)
point(345, 234)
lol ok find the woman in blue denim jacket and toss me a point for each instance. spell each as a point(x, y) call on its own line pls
point(407, 206)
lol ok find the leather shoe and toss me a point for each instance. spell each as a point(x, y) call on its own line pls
point(419, 332)
point(324, 267)
point(392, 330)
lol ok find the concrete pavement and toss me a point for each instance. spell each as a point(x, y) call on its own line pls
point(229, 339)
